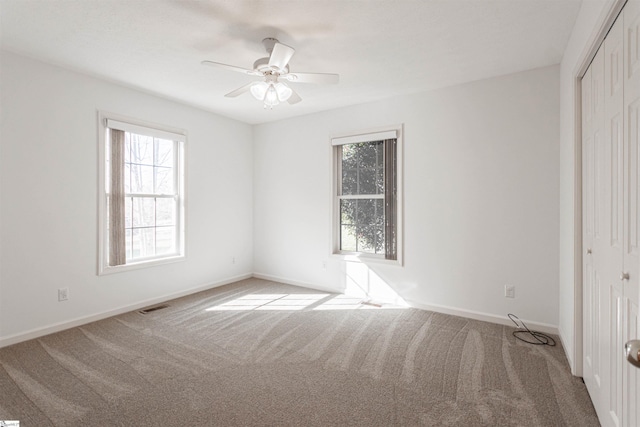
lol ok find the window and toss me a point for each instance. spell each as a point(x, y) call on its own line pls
point(367, 194)
point(142, 203)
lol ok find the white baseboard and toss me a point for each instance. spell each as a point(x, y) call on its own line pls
point(61, 326)
point(568, 354)
point(486, 317)
point(491, 318)
point(296, 283)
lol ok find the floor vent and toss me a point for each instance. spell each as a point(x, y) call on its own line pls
point(150, 309)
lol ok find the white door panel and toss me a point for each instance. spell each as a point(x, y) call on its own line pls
point(611, 261)
point(597, 234)
point(611, 220)
point(631, 263)
point(587, 230)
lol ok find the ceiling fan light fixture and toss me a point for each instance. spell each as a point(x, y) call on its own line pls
point(271, 93)
point(284, 92)
point(271, 97)
point(259, 90)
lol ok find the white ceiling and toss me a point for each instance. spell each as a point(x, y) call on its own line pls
point(380, 48)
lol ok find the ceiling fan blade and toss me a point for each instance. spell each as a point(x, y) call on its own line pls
point(320, 78)
point(280, 56)
point(232, 68)
point(294, 98)
point(239, 91)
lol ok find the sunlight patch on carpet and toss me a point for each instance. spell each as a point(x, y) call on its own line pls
point(297, 302)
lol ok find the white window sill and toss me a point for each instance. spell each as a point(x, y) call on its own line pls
point(366, 258)
point(138, 265)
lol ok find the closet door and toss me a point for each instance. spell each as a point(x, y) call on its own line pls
point(597, 235)
point(613, 205)
point(631, 265)
point(611, 228)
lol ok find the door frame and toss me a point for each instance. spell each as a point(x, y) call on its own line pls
point(607, 17)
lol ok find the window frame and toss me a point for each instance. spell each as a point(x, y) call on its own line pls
point(179, 137)
point(363, 136)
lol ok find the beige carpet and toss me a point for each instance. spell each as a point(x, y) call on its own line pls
point(266, 354)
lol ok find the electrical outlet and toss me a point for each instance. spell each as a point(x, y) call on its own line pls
point(509, 291)
point(324, 264)
point(233, 260)
point(63, 294)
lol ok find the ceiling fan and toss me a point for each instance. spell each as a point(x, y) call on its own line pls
point(271, 90)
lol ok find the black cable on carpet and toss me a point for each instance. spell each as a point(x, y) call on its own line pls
point(532, 337)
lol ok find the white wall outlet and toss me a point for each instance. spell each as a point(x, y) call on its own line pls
point(63, 294)
point(324, 264)
point(233, 260)
point(509, 291)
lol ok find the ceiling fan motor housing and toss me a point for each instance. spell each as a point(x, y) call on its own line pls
point(263, 66)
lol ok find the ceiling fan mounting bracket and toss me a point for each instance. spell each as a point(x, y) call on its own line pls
point(269, 43)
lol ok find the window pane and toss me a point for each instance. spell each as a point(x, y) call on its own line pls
point(380, 180)
point(365, 217)
point(141, 179)
point(370, 225)
point(136, 244)
point(147, 242)
point(349, 153)
point(347, 211)
point(128, 212)
point(141, 149)
point(349, 181)
point(365, 212)
point(367, 153)
point(163, 152)
point(380, 246)
point(163, 180)
point(362, 166)
point(165, 211)
point(128, 243)
point(348, 238)
point(144, 212)
point(148, 236)
point(127, 147)
point(127, 178)
point(378, 227)
point(143, 242)
point(165, 240)
point(367, 181)
point(366, 240)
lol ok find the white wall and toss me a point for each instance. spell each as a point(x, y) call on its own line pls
point(48, 199)
point(481, 196)
point(591, 16)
